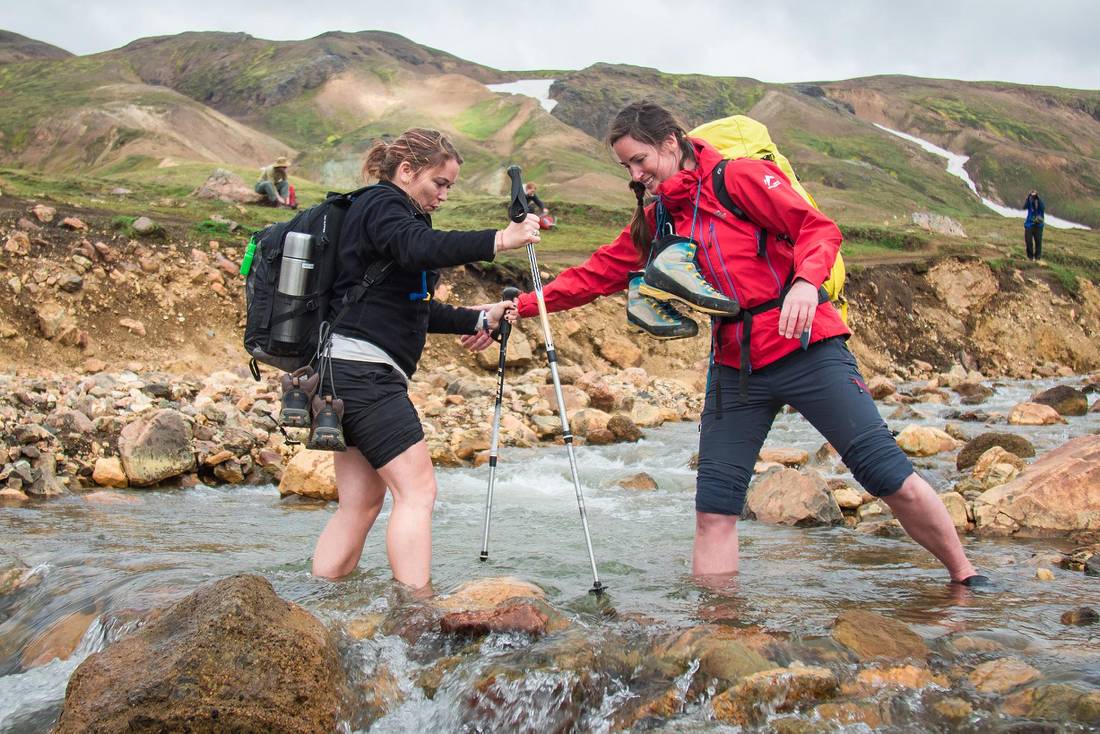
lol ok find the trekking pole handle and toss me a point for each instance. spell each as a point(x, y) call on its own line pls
point(517, 210)
point(510, 294)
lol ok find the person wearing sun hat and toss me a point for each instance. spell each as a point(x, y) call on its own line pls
point(274, 185)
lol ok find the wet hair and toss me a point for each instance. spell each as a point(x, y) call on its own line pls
point(649, 123)
point(421, 147)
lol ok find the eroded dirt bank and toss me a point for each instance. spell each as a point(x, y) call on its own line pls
point(79, 295)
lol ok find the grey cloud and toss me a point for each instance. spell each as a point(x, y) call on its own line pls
point(1051, 42)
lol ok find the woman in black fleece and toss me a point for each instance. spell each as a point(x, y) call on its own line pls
point(378, 343)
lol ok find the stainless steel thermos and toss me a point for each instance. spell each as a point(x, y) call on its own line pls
point(297, 276)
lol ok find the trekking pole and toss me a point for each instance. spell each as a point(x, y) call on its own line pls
point(505, 329)
point(517, 212)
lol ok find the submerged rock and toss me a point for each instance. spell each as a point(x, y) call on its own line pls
point(1055, 702)
point(1081, 616)
point(58, 641)
point(14, 574)
point(872, 636)
point(781, 689)
point(722, 655)
point(870, 680)
point(232, 656)
point(1002, 675)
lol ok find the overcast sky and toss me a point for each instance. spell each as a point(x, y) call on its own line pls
point(1052, 42)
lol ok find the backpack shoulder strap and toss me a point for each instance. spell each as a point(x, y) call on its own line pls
point(718, 181)
point(375, 274)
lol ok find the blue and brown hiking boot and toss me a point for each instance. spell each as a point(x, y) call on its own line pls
point(672, 274)
point(656, 318)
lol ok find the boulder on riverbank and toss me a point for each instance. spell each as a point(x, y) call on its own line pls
point(792, 497)
point(1059, 494)
point(1064, 399)
point(978, 445)
point(156, 448)
point(232, 656)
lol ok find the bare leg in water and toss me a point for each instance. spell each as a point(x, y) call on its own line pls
point(411, 480)
point(923, 515)
point(916, 506)
point(716, 551)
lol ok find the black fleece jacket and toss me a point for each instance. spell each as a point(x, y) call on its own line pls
point(383, 224)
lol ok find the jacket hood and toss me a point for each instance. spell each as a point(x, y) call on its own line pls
point(679, 189)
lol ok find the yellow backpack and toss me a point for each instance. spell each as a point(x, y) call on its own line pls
point(739, 136)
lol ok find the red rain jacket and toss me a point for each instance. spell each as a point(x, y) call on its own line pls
point(727, 256)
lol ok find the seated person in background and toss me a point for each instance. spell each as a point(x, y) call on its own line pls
point(534, 203)
point(274, 186)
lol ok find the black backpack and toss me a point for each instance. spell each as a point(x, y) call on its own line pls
point(290, 269)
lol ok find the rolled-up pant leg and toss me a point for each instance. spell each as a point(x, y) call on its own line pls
point(824, 385)
point(730, 439)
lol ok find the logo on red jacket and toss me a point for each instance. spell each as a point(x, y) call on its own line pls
point(771, 181)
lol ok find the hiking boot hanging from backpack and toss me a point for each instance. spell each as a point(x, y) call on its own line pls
point(673, 274)
point(298, 390)
point(327, 433)
point(657, 318)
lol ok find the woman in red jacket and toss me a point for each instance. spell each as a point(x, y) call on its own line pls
point(771, 265)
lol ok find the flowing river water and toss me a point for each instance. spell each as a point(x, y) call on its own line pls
point(100, 559)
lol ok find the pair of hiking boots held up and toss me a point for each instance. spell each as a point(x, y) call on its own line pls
point(673, 275)
point(302, 407)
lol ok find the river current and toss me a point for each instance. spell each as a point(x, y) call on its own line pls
point(99, 559)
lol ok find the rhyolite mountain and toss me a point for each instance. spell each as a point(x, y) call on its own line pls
point(232, 98)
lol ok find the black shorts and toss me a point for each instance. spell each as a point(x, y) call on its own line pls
point(379, 418)
point(822, 383)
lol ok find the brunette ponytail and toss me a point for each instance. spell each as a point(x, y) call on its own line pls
point(421, 147)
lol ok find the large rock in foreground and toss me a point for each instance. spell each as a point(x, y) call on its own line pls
point(1057, 495)
point(232, 656)
point(156, 448)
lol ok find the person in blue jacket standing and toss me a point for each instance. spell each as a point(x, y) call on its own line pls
point(1033, 225)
